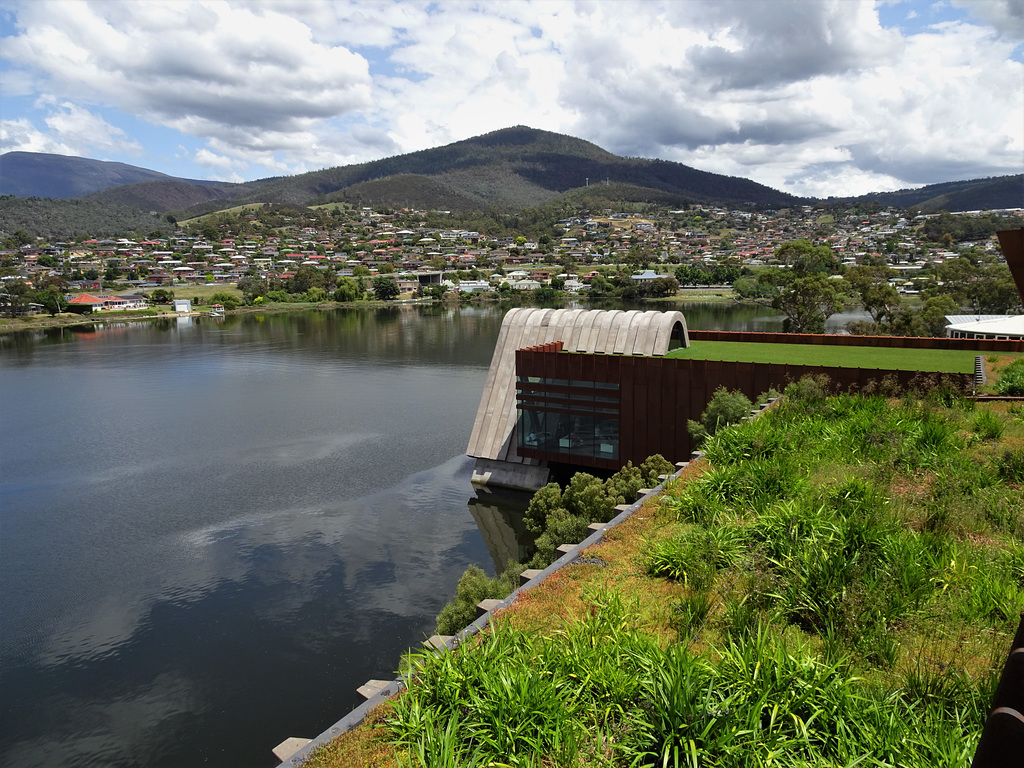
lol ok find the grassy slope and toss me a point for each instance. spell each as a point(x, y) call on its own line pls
point(775, 605)
point(940, 360)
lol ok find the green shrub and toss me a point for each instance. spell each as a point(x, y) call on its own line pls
point(229, 300)
point(684, 559)
point(475, 585)
point(1011, 466)
point(725, 408)
point(691, 613)
point(988, 425)
point(1011, 380)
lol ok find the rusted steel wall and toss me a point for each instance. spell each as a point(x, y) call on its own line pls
point(658, 395)
point(1012, 243)
point(1002, 740)
point(903, 342)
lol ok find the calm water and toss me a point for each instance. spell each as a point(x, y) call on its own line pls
point(213, 531)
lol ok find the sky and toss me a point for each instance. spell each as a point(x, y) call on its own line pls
point(812, 97)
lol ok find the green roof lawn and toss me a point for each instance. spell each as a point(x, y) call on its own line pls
point(885, 358)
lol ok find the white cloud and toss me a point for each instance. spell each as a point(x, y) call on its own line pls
point(71, 130)
point(791, 93)
point(209, 69)
point(1005, 16)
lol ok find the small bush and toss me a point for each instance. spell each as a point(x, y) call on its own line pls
point(691, 613)
point(724, 409)
point(474, 586)
point(688, 559)
point(1011, 382)
point(988, 425)
point(1011, 466)
point(229, 300)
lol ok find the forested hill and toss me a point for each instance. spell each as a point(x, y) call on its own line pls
point(969, 195)
point(511, 169)
point(37, 174)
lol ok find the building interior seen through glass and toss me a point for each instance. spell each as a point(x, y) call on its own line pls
point(577, 418)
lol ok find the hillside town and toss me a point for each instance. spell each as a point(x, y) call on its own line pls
point(427, 253)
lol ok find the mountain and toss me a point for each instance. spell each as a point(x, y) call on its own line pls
point(969, 195)
point(37, 174)
point(510, 169)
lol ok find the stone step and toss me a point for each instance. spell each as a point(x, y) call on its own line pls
point(289, 747)
point(369, 689)
point(485, 606)
point(528, 575)
point(439, 642)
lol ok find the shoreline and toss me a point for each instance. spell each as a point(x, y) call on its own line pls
point(71, 320)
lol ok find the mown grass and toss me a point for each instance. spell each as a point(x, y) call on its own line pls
point(835, 584)
point(885, 358)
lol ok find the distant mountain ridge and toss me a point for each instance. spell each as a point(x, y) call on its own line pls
point(969, 195)
point(38, 174)
point(511, 169)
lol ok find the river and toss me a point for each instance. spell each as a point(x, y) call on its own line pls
point(213, 530)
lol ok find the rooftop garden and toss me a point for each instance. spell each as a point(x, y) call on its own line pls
point(847, 604)
point(885, 358)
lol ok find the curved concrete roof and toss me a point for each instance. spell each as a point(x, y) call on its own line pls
point(581, 330)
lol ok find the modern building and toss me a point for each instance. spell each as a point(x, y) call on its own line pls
point(525, 419)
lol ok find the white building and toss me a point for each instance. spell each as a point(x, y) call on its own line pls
point(985, 326)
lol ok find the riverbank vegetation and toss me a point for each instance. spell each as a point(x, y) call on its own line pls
point(837, 582)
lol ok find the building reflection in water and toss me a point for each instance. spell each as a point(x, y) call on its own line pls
point(499, 516)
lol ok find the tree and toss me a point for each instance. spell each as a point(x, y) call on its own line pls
point(348, 290)
point(229, 300)
point(807, 303)
point(385, 288)
point(879, 298)
point(15, 297)
point(933, 315)
point(993, 292)
point(807, 258)
point(51, 298)
point(659, 287)
point(306, 277)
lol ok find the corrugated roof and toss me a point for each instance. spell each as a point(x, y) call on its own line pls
point(997, 325)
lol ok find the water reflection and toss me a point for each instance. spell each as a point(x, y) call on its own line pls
point(498, 513)
point(213, 532)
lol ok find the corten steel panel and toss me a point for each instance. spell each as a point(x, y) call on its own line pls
point(656, 426)
point(1012, 243)
point(657, 396)
point(763, 380)
point(745, 374)
point(627, 410)
point(630, 425)
point(1002, 738)
point(668, 397)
